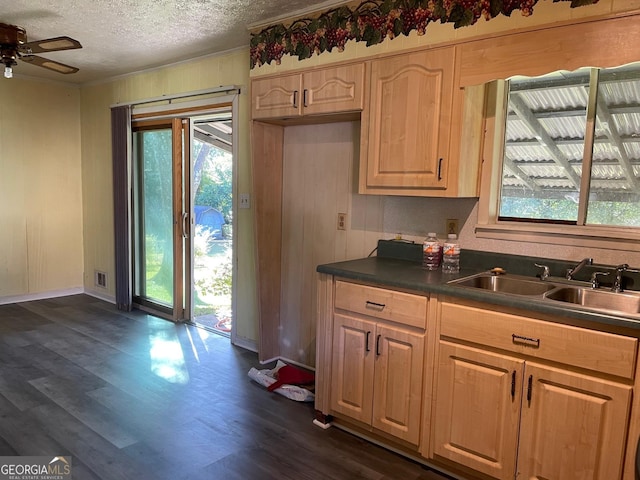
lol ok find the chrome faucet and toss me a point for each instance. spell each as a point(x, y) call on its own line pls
point(595, 281)
point(572, 271)
point(617, 282)
point(545, 271)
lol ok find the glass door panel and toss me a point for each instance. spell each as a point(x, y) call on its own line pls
point(212, 187)
point(153, 193)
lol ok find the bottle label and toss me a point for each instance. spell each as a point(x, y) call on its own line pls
point(431, 247)
point(451, 249)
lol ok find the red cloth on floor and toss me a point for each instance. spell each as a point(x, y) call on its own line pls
point(291, 376)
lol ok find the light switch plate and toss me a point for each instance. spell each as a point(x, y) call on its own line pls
point(244, 200)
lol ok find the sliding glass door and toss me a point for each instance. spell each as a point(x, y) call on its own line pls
point(160, 217)
point(183, 240)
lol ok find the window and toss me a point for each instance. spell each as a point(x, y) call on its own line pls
point(571, 150)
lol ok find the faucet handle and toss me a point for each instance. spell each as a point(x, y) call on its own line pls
point(595, 283)
point(617, 283)
point(545, 271)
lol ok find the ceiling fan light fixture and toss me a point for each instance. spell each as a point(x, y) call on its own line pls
point(14, 47)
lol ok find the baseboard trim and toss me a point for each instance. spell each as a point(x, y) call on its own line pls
point(245, 343)
point(101, 296)
point(286, 360)
point(41, 296)
point(297, 364)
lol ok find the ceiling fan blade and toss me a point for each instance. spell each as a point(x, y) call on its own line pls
point(49, 45)
point(50, 64)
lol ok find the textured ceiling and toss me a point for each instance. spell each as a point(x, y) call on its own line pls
point(124, 36)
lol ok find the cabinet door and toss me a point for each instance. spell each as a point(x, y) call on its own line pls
point(276, 97)
point(408, 120)
point(397, 398)
point(573, 426)
point(478, 397)
point(352, 367)
point(333, 90)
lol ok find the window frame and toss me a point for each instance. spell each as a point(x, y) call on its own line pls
point(491, 227)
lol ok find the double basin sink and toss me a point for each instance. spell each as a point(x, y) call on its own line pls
point(597, 299)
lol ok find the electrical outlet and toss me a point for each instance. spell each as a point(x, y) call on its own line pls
point(452, 226)
point(342, 221)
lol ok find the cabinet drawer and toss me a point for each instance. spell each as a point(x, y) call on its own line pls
point(381, 303)
point(580, 347)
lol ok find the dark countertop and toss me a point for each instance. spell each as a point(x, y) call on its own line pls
point(408, 274)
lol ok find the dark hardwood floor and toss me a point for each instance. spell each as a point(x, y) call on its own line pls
point(131, 396)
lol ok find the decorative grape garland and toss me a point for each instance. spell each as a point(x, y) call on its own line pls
point(374, 20)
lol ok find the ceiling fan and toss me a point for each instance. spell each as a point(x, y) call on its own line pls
point(14, 46)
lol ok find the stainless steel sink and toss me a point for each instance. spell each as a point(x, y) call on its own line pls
point(628, 303)
point(557, 290)
point(514, 285)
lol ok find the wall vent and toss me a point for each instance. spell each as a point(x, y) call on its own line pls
point(100, 279)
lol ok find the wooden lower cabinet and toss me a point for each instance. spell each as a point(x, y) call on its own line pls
point(508, 418)
point(377, 375)
point(488, 394)
point(352, 368)
point(477, 409)
point(573, 426)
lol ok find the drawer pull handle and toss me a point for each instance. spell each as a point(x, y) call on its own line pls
point(375, 306)
point(529, 388)
point(304, 98)
point(440, 169)
point(531, 342)
point(513, 385)
point(295, 99)
point(378, 345)
point(366, 342)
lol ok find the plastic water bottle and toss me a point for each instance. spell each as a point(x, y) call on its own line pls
point(451, 254)
point(431, 252)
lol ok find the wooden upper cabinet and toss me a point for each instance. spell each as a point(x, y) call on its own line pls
point(406, 124)
point(333, 90)
point(324, 91)
point(276, 96)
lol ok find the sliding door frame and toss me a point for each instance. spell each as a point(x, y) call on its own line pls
point(181, 114)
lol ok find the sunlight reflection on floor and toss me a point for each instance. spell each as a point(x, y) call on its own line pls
point(167, 360)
